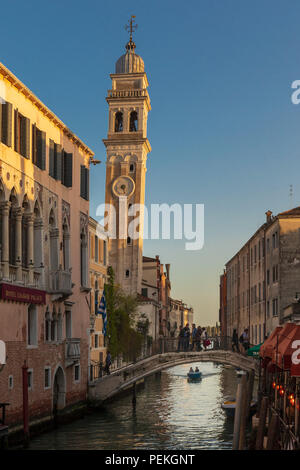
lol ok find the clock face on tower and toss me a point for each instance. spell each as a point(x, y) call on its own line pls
point(123, 186)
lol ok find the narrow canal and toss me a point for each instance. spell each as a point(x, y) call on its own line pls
point(170, 414)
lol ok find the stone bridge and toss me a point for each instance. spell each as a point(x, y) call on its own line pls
point(125, 378)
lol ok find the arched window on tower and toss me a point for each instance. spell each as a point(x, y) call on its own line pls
point(119, 122)
point(133, 124)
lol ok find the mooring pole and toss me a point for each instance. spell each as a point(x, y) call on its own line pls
point(244, 412)
point(237, 414)
point(262, 424)
point(134, 394)
point(25, 404)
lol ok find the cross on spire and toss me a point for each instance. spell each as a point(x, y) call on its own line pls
point(131, 27)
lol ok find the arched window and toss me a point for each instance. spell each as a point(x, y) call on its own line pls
point(96, 295)
point(59, 327)
point(25, 260)
point(38, 237)
point(54, 251)
point(66, 247)
point(83, 259)
point(119, 122)
point(131, 168)
point(133, 124)
point(12, 228)
point(127, 273)
point(54, 327)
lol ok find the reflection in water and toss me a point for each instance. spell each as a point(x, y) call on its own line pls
point(170, 413)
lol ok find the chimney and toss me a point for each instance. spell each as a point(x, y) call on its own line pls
point(168, 271)
point(269, 216)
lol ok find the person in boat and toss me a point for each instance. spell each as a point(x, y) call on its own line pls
point(191, 371)
point(197, 370)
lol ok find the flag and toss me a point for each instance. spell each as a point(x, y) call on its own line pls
point(102, 311)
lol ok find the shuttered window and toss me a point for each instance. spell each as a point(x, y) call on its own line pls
point(22, 134)
point(6, 123)
point(84, 182)
point(38, 147)
point(67, 169)
point(55, 155)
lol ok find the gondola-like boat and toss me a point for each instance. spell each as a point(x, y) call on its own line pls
point(229, 407)
point(194, 376)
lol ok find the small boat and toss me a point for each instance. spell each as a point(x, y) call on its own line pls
point(229, 407)
point(194, 376)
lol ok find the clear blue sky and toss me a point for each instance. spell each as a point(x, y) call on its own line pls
point(223, 129)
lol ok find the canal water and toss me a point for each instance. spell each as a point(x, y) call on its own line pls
point(170, 413)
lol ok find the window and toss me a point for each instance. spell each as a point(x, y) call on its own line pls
point(268, 277)
point(96, 248)
point(32, 326)
point(10, 382)
point(30, 379)
point(268, 308)
point(68, 324)
point(77, 373)
point(104, 253)
point(127, 273)
point(131, 168)
point(47, 326)
point(144, 292)
point(55, 153)
point(275, 307)
point(133, 124)
point(268, 244)
point(22, 137)
point(119, 122)
point(275, 240)
point(128, 241)
point(84, 182)
point(38, 147)
point(47, 383)
point(275, 273)
point(6, 123)
point(96, 341)
point(67, 169)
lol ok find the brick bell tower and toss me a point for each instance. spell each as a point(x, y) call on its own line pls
point(127, 148)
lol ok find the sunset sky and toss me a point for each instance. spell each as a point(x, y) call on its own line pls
point(223, 130)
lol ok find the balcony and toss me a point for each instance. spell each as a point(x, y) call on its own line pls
point(60, 282)
point(128, 93)
point(28, 278)
point(72, 350)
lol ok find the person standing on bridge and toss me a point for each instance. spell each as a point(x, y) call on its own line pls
point(235, 341)
point(198, 338)
point(194, 332)
point(186, 337)
point(181, 339)
point(107, 362)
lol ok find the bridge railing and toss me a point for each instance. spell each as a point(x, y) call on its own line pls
point(167, 345)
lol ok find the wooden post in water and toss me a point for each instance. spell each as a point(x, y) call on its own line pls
point(273, 432)
point(244, 412)
point(134, 394)
point(237, 414)
point(262, 423)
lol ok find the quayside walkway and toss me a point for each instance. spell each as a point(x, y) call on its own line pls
point(108, 386)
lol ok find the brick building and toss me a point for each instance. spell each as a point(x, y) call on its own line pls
point(263, 277)
point(44, 284)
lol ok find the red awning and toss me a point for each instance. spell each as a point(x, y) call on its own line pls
point(289, 350)
point(267, 348)
point(284, 334)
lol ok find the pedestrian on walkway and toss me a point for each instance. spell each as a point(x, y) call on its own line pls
point(198, 338)
point(107, 363)
point(204, 337)
point(235, 341)
point(181, 339)
point(246, 343)
point(186, 337)
point(194, 331)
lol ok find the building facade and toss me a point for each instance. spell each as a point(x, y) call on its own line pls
point(98, 254)
point(127, 148)
point(44, 321)
point(264, 276)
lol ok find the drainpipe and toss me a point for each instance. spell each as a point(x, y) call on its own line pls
point(25, 404)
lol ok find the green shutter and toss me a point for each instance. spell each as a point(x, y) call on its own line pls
point(68, 169)
point(51, 158)
point(82, 180)
point(1, 120)
point(57, 161)
point(34, 144)
point(26, 137)
point(6, 123)
point(42, 149)
point(87, 183)
point(16, 130)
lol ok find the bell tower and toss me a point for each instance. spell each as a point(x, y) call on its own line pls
point(127, 148)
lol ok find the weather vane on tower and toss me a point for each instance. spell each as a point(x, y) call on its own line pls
point(131, 27)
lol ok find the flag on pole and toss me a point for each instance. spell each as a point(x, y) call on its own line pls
point(102, 311)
